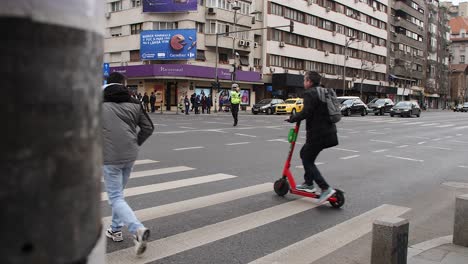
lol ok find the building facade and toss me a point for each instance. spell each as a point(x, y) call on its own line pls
point(456, 10)
point(459, 55)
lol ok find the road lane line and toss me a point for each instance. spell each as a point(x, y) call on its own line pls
point(184, 127)
point(350, 157)
point(278, 140)
point(349, 150)
point(448, 125)
point(436, 139)
point(245, 135)
point(237, 143)
point(463, 166)
point(383, 141)
point(459, 141)
point(145, 161)
point(462, 127)
point(145, 173)
point(414, 123)
point(403, 158)
point(431, 124)
point(422, 142)
point(199, 147)
point(380, 150)
point(316, 164)
point(197, 203)
point(403, 146)
point(437, 148)
point(171, 185)
point(331, 239)
point(181, 242)
point(418, 137)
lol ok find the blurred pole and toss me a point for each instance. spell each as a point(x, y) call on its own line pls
point(51, 152)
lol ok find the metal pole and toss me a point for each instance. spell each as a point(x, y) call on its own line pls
point(216, 73)
point(51, 148)
point(362, 77)
point(233, 75)
point(344, 67)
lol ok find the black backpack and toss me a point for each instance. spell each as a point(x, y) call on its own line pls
point(328, 96)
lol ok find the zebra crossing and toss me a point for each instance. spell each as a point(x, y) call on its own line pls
point(406, 122)
point(159, 248)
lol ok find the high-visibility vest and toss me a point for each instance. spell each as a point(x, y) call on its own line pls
point(235, 97)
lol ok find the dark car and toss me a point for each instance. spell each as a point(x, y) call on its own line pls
point(406, 108)
point(380, 106)
point(266, 106)
point(352, 105)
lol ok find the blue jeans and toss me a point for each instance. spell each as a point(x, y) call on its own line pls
point(115, 179)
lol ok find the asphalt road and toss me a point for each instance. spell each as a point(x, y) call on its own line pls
point(205, 188)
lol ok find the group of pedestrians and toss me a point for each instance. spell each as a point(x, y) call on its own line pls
point(197, 101)
point(148, 102)
point(126, 125)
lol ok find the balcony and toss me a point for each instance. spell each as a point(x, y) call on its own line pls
point(402, 22)
point(400, 38)
point(401, 5)
point(226, 42)
point(213, 13)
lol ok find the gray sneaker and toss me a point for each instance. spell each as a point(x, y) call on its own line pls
point(306, 188)
point(140, 240)
point(326, 194)
point(116, 236)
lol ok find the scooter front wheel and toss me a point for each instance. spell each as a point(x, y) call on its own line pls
point(281, 187)
point(340, 199)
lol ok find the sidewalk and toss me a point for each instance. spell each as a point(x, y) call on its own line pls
point(438, 251)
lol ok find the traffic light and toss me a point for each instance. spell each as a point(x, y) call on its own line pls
point(291, 26)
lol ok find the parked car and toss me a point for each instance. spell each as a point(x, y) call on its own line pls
point(290, 106)
point(465, 107)
point(406, 108)
point(458, 108)
point(380, 106)
point(266, 106)
point(352, 105)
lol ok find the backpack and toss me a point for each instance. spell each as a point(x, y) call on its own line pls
point(328, 96)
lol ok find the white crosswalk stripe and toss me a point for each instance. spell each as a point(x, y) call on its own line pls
point(145, 161)
point(171, 185)
point(145, 173)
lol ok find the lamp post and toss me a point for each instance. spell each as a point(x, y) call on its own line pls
point(236, 7)
point(347, 43)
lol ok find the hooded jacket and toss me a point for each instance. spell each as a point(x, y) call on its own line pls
point(125, 125)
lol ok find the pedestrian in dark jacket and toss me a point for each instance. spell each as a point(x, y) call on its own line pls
point(192, 100)
point(209, 103)
point(152, 102)
point(125, 126)
point(321, 133)
point(187, 105)
point(197, 104)
point(203, 103)
point(145, 101)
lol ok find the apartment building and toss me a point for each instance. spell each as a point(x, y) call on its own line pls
point(459, 56)
point(456, 10)
point(328, 37)
point(169, 47)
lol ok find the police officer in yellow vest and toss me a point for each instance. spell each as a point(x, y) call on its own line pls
point(235, 101)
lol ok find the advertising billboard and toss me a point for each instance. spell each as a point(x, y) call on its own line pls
point(172, 44)
point(169, 6)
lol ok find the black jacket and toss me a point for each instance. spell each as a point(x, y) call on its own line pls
point(320, 131)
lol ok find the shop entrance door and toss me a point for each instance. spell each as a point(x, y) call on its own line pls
point(171, 95)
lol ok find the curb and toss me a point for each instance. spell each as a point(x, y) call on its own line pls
point(429, 244)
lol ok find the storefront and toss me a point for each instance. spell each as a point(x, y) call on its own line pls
point(172, 82)
point(371, 91)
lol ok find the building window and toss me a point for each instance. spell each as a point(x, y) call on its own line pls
point(136, 28)
point(275, 60)
point(462, 59)
point(244, 60)
point(257, 62)
point(135, 55)
point(201, 55)
point(200, 27)
point(223, 58)
point(116, 6)
point(115, 56)
point(116, 31)
point(258, 39)
point(276, 9)
point(136, 3)
point(165, 25)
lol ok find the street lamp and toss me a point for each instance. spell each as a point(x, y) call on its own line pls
point(236, 7)
point(347, 43)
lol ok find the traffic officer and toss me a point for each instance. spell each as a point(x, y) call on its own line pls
point(235, 101)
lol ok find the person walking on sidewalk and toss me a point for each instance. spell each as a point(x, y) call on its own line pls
point(187, 105)
point(209, 103)
point(152, 102)
point(145, 101)
point(125, 126)
point(320, 134)
point(235, 101)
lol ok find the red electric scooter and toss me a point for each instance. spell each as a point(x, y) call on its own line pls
point(287, 184)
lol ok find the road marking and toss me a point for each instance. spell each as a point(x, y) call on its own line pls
point(159, 124)
point(377, 133)
point(350, 157)
point(461, 185)
point(343, 136)
point(380, 150)
point(382, 141)
point(349, 150)
point(448, 137)
point(448, 125)
point(403, 158)
point(331, 239)
point(459, 141)
point(463, 166)
point(145, 161)
point(422, 142)
point(437, 148)
point(238, 143)
point(181, 242)
point(199, 147)
point(353, 132)
point(145, 173)
point(245, 135)
point(183, 127)
point(279, 140)
point(402, 146)
point(418, 137)
point(197, 203)
point(436, 139)
point(431, 124)
point(414, 123)
point(316, 164)
point(171, 185)
point(182, 123)
point(459, 135)
point(462, 127)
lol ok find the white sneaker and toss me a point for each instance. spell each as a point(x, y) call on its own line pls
point(326, 194)
point(140, 240)
point(115, 236)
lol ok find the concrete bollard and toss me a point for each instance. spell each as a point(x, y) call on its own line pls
point(390, 241)
point(460, 226)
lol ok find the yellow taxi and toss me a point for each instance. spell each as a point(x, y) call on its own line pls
point(290, 106)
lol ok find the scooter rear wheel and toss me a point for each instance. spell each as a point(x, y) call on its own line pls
point(281, 187)
point(340, 199)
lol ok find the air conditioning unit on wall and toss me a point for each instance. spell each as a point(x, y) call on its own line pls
point(282, 44)
point(241, 42)
point(327, 53)
point(247, 43)
point(211, 11)
point(310, 2)
point(255, 44)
